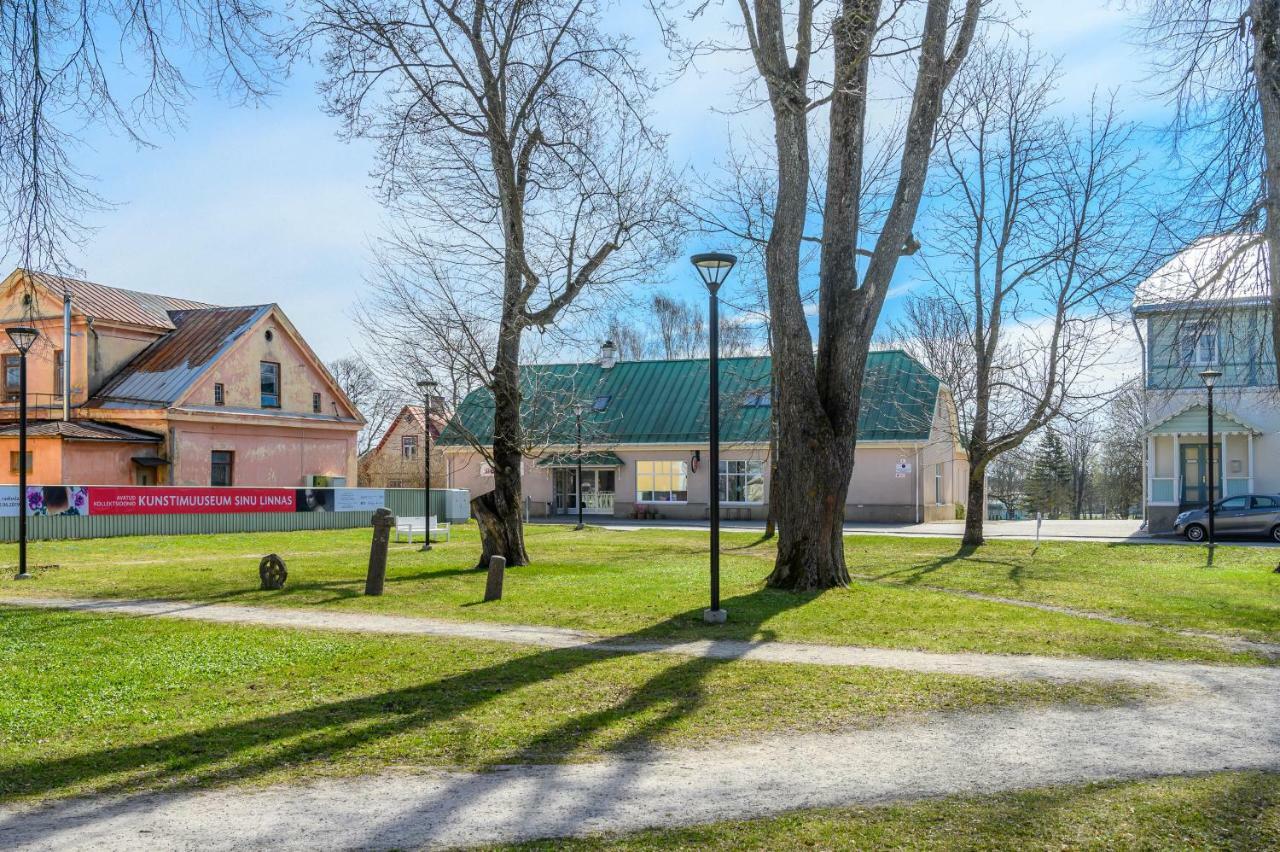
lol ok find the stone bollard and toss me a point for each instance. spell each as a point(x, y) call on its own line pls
point(493, 585)
point(382, 522)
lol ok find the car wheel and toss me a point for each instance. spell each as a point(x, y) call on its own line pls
point(1195, 532)
point(1275, 532)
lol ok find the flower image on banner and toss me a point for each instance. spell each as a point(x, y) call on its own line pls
point(57, 500)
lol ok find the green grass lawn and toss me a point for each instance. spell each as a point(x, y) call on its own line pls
point(1159, 584)
point(109, 704)
point(654, 583)
point(1237, 811)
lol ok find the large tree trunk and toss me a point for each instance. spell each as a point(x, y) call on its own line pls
point(498, 511)
point(1266, 69)
point(975, 512)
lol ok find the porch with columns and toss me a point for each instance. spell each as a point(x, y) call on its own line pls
point(1177, 463)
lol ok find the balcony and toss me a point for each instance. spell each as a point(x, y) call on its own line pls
point(40, 406)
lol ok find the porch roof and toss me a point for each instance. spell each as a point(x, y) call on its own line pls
point(1194, 420)
point(600, 459)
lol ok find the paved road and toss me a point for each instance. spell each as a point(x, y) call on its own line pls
point(1088, 530)
point(1213, 718)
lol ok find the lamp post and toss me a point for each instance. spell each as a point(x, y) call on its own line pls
point(714, 268)
point(1209, 377)
point(23, 337)
point(577, 413)
point(428, 386)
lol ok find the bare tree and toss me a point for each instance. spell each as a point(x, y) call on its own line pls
point(1031, 255)
point(516, 158)
point(378, 401)
point(1081, 443)
point(1222, 61)
point(915, 50)
point(62, 66)
point(1123, 453)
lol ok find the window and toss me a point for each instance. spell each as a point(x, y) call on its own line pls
point(221, 464)
point(742, 481)
point(661, 482)
point(601, 403)
point(758, 398)
point(13, 461)
point(1265, 503)
point(12, 377)
point(1198, 344)
point(59, 370)
point(219, 394)
point(270, 384)
point(315, 403)
point(409, 446)
point(1234, 504)
point(395, 483)
point(937, 484)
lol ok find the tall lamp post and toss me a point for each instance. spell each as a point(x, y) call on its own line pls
point(577, 413)
point(1210, 377)
point(23, 338)
point(714, 268)
point(428, 387)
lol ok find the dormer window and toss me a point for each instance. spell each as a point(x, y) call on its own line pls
point(757, 398)
point(601, 403)
point(1198, 344)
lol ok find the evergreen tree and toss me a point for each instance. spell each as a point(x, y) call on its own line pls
point(1049, 485)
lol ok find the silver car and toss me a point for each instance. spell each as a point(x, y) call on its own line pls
point(1244, 514)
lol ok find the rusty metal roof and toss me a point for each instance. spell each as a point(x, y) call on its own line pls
point(118, 305)
point(162, 372)
point(83, 430)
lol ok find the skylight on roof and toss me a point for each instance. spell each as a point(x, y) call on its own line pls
point(601, 403)
point(758, 398)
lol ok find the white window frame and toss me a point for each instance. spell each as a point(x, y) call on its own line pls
point(647, 472)
point(407, 442)
point(1192, 337)
point(937, 484)
point(751, 469)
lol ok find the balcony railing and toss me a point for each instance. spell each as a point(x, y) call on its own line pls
point(36, 402)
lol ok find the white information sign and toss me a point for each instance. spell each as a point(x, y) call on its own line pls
point(902, 469)
point(358, 499)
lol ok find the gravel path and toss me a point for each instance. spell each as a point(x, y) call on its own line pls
point(1218, 718)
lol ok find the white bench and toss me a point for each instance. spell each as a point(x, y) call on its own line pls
point(409, 526)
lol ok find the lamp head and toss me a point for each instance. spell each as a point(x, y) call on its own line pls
point(23, 337)
point(1210, 377)
point(714, 267)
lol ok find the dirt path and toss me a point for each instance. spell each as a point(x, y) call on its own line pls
point(1218, 718)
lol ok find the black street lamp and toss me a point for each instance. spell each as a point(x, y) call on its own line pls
point(577, 413)
point(428, 387)
point(1209, 377)
point(714, 268)
point(23, 338)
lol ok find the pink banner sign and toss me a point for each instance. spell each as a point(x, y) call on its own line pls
point(153, 500)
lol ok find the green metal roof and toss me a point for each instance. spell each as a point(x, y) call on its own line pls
point(602, 459)
point(657, 402)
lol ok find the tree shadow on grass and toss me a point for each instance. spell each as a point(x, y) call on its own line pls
point(245, 750)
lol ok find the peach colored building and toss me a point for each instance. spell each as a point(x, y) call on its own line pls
point(645, 440)
point(396, 461)
point(166, 391)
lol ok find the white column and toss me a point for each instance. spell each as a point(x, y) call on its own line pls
point(1151, 466)
point(1250, 462)
point(1177, 467)
point(1222, 468)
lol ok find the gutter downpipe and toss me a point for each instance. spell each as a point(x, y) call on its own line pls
point(66, 356)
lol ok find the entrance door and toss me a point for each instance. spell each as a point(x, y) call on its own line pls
point(597, 491)
point(1195, 475)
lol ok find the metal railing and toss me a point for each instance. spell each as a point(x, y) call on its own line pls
point(9, 402)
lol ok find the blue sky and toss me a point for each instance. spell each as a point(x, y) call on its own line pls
point(249, 205)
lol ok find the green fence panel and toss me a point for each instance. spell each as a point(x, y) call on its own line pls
point(401, 501)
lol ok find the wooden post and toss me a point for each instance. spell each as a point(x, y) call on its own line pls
point(493, 585)
point(382, 523)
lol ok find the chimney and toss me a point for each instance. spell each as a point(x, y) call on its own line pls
point(608, 355)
